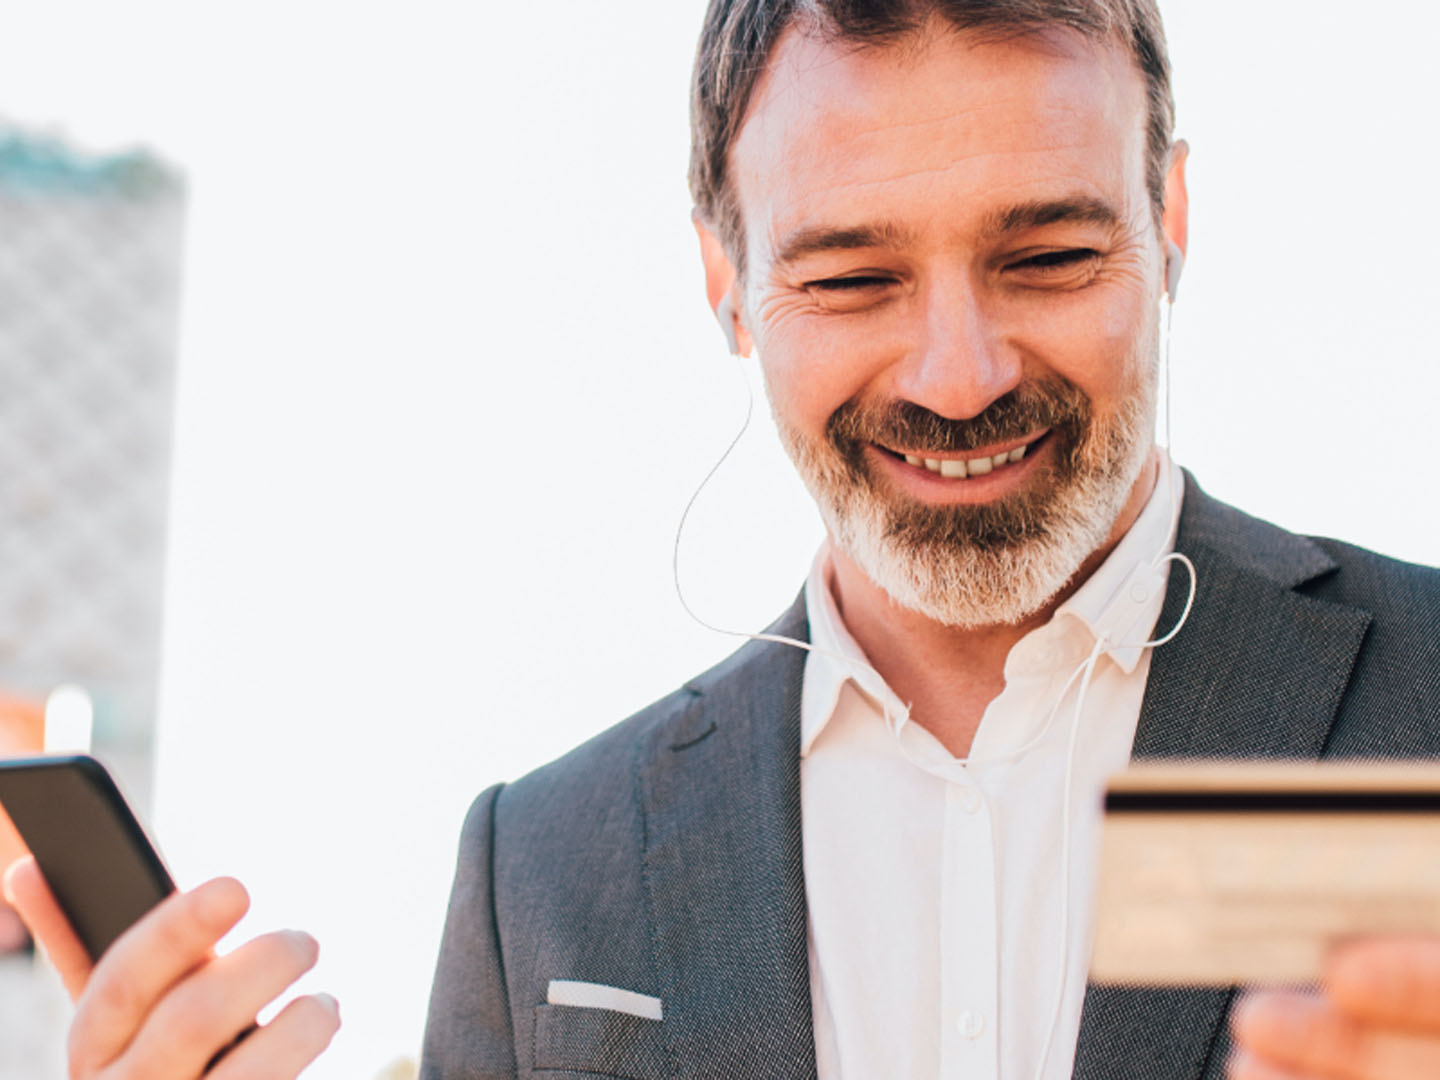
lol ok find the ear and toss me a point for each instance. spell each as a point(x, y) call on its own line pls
point(1176, 219)
point(721, 287)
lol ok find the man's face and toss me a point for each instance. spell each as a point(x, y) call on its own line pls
point(952, 258)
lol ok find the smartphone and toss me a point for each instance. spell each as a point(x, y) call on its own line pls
point(103, 870)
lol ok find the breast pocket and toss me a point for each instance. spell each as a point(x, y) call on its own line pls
point(600, 1042)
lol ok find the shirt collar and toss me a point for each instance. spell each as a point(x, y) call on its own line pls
point(835, 660)
point(1118, 603)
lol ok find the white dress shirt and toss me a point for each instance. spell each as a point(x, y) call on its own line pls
point(933, 883)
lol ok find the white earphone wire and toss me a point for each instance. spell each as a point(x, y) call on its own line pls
point(1089, 668)
point(777, 639)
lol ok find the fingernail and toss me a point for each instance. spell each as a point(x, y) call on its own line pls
point(10, 872)
point(219, 900)
point(1251, 1011)
point(330, 1003)
point(1239, 1066)
point(304, 943)
point(1267, 1019)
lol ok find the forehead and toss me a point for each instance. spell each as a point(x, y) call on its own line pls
point(939, 133)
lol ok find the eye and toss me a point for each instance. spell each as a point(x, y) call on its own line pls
point(1062, 268)
point(1053, 260)
point(852, 293)
point(853, 283)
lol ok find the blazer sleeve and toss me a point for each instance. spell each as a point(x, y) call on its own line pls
point(468, 1034)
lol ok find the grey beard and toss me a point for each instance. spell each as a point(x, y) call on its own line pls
point(972, 566)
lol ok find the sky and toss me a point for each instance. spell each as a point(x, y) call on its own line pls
point(447, 380)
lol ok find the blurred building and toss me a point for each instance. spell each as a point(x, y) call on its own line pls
point(89, 275)
point(89, 284)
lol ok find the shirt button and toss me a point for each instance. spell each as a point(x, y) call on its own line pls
point(970, 1024)
point(1139, 593)
point(966, 798)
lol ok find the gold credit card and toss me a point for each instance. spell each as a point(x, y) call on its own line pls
point(1213, 873)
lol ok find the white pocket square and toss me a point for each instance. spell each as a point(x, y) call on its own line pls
point(588, 995)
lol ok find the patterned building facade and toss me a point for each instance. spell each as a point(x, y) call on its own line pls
point(89, 288)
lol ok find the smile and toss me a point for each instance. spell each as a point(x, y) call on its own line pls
point(979, 465)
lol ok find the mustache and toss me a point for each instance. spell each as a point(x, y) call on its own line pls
point(901, 424)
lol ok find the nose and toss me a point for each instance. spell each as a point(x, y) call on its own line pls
point(959, 362)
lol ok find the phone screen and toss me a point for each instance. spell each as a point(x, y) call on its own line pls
point(101, 867)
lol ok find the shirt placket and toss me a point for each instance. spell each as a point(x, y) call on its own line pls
point(969, 981)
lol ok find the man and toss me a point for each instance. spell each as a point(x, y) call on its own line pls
point(946, 230)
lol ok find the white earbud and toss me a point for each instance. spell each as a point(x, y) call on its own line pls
point(1174, 267)
point(725, 314)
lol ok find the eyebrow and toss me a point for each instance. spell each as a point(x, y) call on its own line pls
point(1080, 210)
point(815, 239)
point(1075, 210)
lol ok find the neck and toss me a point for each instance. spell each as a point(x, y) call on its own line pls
point(948, 675)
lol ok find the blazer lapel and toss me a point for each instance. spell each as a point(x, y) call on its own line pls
point(1257, 672)
point(721, 799)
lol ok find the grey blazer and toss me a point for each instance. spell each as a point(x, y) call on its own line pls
point(663, 856)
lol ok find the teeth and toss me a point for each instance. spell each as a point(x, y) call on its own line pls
point(959, 468)
point(952, 469)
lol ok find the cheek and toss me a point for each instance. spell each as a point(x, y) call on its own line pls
point(811, 369)
point(802, 391)
point(1103, 348)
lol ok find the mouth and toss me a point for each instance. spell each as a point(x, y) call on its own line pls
point(970, 463)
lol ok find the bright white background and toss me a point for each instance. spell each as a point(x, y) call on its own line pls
point(448, 378)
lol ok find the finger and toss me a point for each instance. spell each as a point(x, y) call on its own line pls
point(171, 940)
point(1291, 1031)
point(1308, 1035)
point(1391, 981)
point(1244, 1066)
point(28, 893)
point(286, 1045)
point(205, 1011)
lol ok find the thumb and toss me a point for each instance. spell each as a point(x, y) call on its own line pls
point(28, 893)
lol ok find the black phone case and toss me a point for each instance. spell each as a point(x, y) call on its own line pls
point(94, 854)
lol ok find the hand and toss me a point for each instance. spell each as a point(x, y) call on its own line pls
point(160, 1004)
point(1378, 1019)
